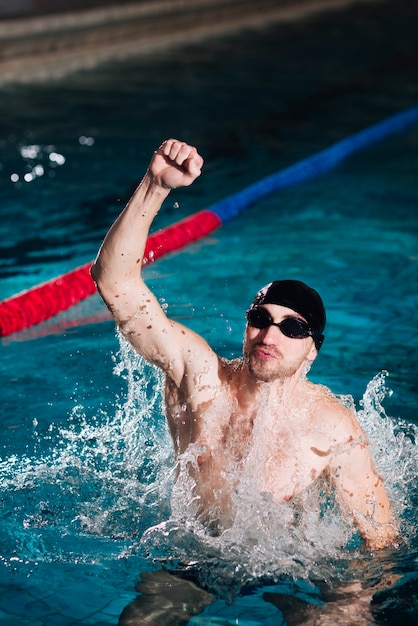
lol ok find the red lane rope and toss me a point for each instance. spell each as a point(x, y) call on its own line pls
point(180, 234)
point(41, 303)
point(48, 299)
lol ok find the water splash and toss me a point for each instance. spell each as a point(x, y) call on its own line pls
point(305, 539)
point(110, 476)
point(393, 444)
point(102, 476)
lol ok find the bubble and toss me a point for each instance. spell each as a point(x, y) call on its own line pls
point(30, 152)
point(38, 170)
point(86, 141)
point(56, 157)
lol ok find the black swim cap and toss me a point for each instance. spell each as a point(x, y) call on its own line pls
point(297, 296)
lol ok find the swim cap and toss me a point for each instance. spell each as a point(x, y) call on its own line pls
point(297, 296)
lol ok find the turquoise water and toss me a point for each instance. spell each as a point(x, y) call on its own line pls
point(78, 492)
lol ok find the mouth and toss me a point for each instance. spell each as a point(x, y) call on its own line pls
point(264, 353)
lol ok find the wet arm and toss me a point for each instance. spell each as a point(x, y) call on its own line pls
point(362, 493)
point(117, 269)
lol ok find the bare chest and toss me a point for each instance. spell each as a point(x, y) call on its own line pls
point(279, 458)
point(291, 461)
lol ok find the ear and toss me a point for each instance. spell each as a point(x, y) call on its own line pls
point(313, 353)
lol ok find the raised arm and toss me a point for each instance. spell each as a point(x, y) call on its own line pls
point(117, 269)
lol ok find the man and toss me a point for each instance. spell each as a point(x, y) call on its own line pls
point(213, 404)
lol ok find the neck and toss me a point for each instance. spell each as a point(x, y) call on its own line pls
point(253, 390)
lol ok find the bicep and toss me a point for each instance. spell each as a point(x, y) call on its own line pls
point(164, 342)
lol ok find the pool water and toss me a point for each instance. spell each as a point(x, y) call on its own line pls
point(79, 494)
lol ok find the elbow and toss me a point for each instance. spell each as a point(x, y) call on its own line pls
point(115, 293)
point(95, 271)
point(99, 277)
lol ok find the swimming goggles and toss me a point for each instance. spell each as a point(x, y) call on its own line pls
point(293, 327)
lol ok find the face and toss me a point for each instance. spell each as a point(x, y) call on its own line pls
point(270, 355)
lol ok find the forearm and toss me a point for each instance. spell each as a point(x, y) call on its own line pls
point(117, 269)
point(374, 516)
point(366, 500)
point(120, 257)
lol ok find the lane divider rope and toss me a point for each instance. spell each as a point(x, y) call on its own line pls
point(44, 301)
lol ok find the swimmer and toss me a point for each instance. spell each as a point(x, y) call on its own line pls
point(213, 404)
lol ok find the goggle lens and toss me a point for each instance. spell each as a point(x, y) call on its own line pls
point(293, 327)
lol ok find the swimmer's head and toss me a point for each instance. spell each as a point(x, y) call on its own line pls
point(297, 296)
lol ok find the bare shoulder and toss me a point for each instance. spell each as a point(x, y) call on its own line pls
point(333, 414)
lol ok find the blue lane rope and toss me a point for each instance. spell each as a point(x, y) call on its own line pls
point(317, 164)
point(44, 301)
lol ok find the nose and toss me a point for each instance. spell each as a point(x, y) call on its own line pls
point(271, 334)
